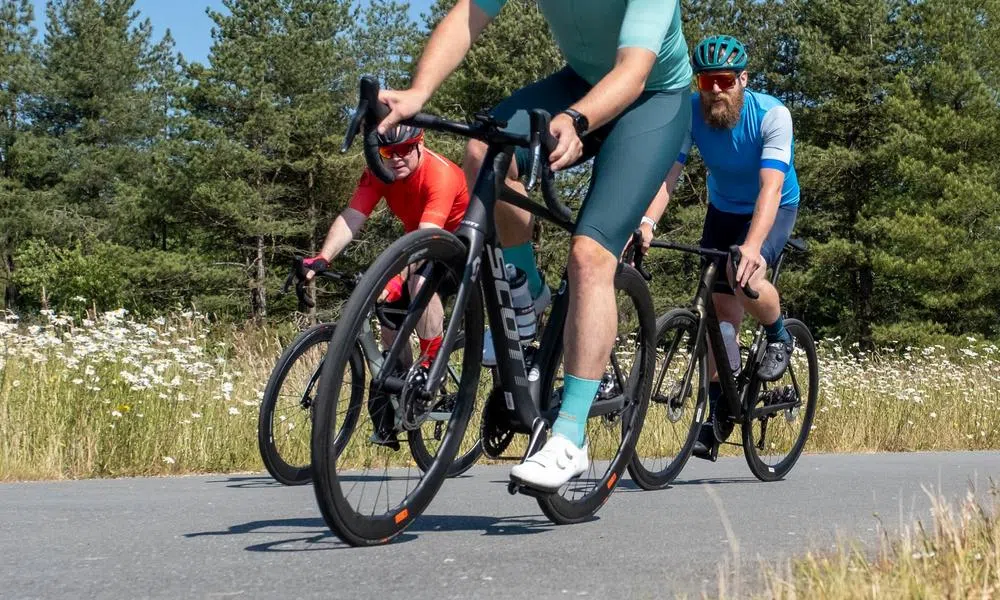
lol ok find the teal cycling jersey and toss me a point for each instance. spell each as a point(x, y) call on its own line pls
point(590, 32)
point(762, 139)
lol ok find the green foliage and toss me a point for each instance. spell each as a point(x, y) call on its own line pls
point(92, 272)
point(130, 177)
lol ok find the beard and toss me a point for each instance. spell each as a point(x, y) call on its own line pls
point(725, 116)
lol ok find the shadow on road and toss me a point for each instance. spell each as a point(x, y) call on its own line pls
point(631, 486)
point(255, 482)
point(311, 534)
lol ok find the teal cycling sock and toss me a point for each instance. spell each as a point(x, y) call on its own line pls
point(522, 256)
point(578, 395)
point(776, 331)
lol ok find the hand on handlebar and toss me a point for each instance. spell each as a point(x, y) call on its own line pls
point(314, 265)
point(403, 104)
point(393, 290)
point(570, 148)
point(751, 260)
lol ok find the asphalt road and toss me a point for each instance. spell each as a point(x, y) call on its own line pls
point(245, 536)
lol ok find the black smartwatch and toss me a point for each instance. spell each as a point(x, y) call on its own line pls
point(580, 122)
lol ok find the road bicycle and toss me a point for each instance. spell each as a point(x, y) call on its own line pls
point(286, 411)
point(526, 394)
point(775, 417)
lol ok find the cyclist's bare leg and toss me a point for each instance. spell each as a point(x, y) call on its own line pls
point(727, 308)
point(513, 224)
point(592, 320)
point(767, 308)
point(431, 323)
point(406, 356)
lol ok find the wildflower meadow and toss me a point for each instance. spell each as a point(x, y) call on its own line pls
point(111, 395)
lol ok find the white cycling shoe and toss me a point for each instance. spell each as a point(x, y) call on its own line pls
point(556, 463)
point(541, 303)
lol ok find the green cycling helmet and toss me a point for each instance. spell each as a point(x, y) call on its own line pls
point(719, 53)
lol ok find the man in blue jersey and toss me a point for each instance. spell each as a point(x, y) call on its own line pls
point(624, 91)
point(745, 139)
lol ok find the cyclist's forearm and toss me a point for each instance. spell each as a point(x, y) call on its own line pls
point(448, 45)
point(619, 88)
point(662, 198)
point(659, 204)
point(764, 214)
point(342, 231)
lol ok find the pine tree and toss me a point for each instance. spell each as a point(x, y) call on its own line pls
point(267, 113)
point(19, 80)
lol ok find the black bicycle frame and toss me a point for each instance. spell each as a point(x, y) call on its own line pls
point(485, 267)
point(708, 328)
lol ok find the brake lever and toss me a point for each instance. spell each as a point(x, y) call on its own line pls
point(288, 282)
point(300, 291)
point(535, 148)
point(638, 255)
point(354, 126)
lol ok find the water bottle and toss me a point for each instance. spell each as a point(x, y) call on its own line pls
point(732, 345)
point(524, 306)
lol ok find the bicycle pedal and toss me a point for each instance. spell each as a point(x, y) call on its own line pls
point(516, 486)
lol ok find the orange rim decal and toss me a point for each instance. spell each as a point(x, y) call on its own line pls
point(611, 482)
point(401, 515)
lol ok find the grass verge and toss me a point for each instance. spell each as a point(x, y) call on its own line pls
point(956, 556)
point(113, 396)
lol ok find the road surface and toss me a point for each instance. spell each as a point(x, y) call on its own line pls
point(244, 536)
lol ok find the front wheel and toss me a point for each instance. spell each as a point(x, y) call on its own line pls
point(617, 414)
point(677, 406)
point(369, 492)
point(780, 414)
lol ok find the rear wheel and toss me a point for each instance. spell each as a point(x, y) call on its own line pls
point(285, 421)
point(425, 441)
point(677, 405)
point(777, 425)
point(617, 414)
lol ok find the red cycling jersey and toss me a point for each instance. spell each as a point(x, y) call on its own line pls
point(434, 193)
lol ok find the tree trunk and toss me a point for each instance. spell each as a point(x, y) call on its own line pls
point(866, 289)
point(312, 217)
point(258, 292)
point(10, 290)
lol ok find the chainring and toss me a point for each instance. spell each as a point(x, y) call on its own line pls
point(415, 410)
point(495, 429)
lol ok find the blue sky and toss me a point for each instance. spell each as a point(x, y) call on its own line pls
point(188, 23)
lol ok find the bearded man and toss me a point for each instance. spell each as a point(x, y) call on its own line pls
point(745, 139)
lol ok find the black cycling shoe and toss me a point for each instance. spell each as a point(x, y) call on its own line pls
point(705, 446)
point(383, 418)
point(776, 357)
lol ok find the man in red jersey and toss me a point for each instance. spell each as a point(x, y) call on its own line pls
point(429, 191)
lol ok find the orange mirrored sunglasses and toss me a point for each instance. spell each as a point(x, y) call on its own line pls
point(397, 150)
point(724, 79)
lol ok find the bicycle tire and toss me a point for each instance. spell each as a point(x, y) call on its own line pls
point(280, 466)
point(760, 468)
point(643, 470)
point(348, 524)
point(565, 511)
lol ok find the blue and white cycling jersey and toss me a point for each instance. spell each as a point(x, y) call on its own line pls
point(762, 139)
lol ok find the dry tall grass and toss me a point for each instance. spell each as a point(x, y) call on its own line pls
point(114, 396)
